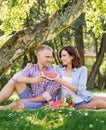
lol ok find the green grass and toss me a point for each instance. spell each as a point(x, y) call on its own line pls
point(97, 91)
point(49, 119)
point(52, 119)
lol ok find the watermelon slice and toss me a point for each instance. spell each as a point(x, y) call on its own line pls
point(70, 106)
point(60, 104)
point(57, 104)
point(49, 75)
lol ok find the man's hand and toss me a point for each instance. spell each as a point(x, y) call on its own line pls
point(54, 91)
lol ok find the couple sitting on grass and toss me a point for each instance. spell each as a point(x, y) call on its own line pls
point(71, 79)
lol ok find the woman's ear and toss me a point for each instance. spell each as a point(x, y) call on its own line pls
point(72, 57)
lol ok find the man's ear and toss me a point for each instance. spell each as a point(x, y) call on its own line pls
point(37, 55)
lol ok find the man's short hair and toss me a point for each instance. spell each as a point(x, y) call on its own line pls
point(44, 47)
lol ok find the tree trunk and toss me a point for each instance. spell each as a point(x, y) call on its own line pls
point(95, 68)
point(35, 35)
point(79, 35)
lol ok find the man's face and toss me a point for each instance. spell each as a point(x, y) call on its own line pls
point(44, 58)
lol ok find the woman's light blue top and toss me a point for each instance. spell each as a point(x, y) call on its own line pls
point(79, 79)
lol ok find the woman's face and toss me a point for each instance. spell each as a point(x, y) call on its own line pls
point(66, 58)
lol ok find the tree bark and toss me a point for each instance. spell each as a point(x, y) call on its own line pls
point(95, 68)
point(36, 35)
point(79, 35)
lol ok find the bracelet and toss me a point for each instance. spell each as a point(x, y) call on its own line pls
point(47, 96)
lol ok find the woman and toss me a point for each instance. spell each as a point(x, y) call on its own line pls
point(73, 78)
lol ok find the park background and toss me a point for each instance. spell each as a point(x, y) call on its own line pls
point(25, 25)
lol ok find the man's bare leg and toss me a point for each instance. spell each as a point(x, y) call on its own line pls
point(9, 88)
point(15, 105)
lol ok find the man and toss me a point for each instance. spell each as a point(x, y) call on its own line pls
point(42, 89)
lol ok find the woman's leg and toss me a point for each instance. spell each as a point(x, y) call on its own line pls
point(94, 104)
point(100, 97)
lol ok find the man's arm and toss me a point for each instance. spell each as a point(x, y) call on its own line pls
point(45, 97)
point(36, 80)
point(24, 78)
point(39, 98)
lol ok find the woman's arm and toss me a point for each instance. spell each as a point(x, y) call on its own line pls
point(67, 85)
point(82, 81)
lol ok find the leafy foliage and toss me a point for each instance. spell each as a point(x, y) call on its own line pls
point(96, 17)
point(54, 5)
point(14, 13)
point(17, 14)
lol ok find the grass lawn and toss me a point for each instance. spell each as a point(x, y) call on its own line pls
point(52, 119)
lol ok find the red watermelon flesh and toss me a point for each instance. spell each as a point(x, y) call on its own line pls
point(70, 106)
point(60, 104)
point(57, 104)
point(49, 75)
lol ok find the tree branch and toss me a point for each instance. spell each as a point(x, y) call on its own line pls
point(37, 34)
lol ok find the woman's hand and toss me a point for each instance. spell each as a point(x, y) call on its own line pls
point(29, 64)
point(38, 79)
point(58, 80)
